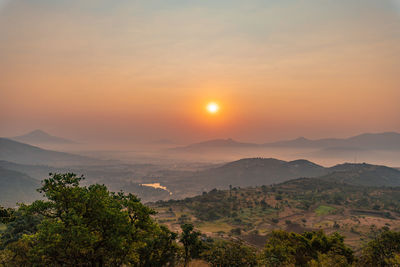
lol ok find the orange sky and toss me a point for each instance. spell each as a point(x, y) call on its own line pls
point(144, 70)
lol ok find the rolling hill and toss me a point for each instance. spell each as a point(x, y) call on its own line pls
point(41, 137)
point(260, 171)
point(384, 141)
point(17, 152)
point(215, 144)
point(37, 172)
point(364, 175)
point(244, 172)
point(366, 141)
point(297, 205)
point(17, 187)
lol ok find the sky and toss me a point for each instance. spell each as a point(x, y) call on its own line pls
point(103, 70)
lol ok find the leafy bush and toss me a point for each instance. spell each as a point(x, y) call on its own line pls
point(230, 254)
point(284, 248)
point(383, 250)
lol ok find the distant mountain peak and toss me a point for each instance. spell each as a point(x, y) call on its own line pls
point(41, 137)
point(23, 153)
point(37, 132)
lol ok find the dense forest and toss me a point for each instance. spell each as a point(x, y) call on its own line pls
point(76, 225)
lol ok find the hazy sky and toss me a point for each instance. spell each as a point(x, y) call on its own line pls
point(144, 70)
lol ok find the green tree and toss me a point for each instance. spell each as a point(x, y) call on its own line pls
point(21, 224)
point(330, 259)
point(90, 226)
point(383, 250)
point(191, 243)
point(161, 248)
point(284, 248)
point(6, 215)
point(226, 254)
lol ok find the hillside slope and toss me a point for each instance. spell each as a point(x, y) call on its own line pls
point(17, 187)
point(213, 145)
point(41, 137)
point(366, 141)
point(260, 171)
point(298, 205)
point(384, 141)
point(364, 174)
point(17, 152)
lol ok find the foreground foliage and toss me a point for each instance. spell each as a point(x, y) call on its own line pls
point(91, 226)
point(225, 253)
point(383, 250)
point(285, 248)
point(87, 226)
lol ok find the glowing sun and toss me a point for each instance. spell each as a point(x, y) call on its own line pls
point(212, 107)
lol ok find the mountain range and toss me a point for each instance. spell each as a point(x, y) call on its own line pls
point(16, 178)
point(267, 171)
point(30, 163)
point(387, 140)
point(367, 141)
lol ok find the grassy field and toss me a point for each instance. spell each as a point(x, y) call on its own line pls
point(324, 210)
point(214, 227)
point(2, 227)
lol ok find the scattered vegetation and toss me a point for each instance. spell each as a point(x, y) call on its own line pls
point(76, 225)
point(299, 205)
point(323, 210)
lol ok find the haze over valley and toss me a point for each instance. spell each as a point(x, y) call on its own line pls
point(199, 133)
point(185, 171)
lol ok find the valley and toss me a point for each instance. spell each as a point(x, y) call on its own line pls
point(241, 201)
point(305, 204)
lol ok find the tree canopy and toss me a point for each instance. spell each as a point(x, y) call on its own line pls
point(90, 226)
point(284, 248)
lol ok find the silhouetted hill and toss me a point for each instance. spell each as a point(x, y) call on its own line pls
point(260, 171)
point(37, 172)
point(17, 187)
point(253, 172)
point(367, 141)
point(364, 174)
point(214, 145)
point(385, 141)
point(41, 137)
point(17, 152)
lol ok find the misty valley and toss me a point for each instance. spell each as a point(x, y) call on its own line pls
point(170, 133)
point(244, 199)
point(178, 172)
